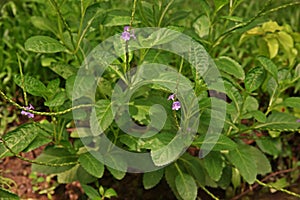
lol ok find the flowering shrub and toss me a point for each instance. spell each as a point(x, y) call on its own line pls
point(184, 95)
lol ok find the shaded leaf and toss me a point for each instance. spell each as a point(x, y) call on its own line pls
point(91, 164)
point(32, 85)
point(214, 164)
point(5, 194)
point(151, 179)
point(186, 186)
point(230, 66)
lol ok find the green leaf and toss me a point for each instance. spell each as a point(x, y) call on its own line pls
point(293, 102)
point(223, 143)
point(254, 78)
point(91, 164)
point(44, 44)
point(194, 166)
point(219, 4)
point(201, 26)
point(91, 192)
point(101, 117)
point(57, 100)
point(116, 20)
point(262, 163)
point(186, 186)
point(161, 36)
point(43, 137)
point(5, 194)
point(170, 174)
point(116, 165)
point(258, 115)
point(280, 121)
point(151, 179)
point(32, 85)
point(230, 66)
point(18, 139)
point(62, 69)
point(225, 180)
point(269, 66)
point(273, 46)
point(54, 156)
point(119, 175)
point(110, 192)
point(76, 173)
point(44, 24)
point(271, 146)
point(214, 165)
point(244, 162)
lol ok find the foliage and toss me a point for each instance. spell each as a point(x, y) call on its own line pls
point(257, 57)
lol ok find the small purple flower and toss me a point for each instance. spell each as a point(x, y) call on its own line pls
point(171, 97)
point(176, 105)
point(298, 120)
point(28, 114)
point(128, 33)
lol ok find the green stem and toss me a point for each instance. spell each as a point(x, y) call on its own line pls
point(279, 189)
point(34, 161)
point(164, 13)
point(209, 193)
point(44, 113)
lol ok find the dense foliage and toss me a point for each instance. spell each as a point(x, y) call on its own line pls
point(248, 116)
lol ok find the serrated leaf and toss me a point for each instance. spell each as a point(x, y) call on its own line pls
point(44, 44)
point(254, 78)
point(186, 186)
point(18, 139)
point(269, 66)
point(230, 66)
point(5, 194)
point(101, 117)
point(271, 146)
point(280, 121)
point(32, 85)
point(91, 164)
point(214, 165)
point(116, 165)
point(258, 115)
point(293, 102)
point(170, 175)
point(244, 162)
point(54, 156)
point(151, 179)
point(223, 143)
point(262, 163)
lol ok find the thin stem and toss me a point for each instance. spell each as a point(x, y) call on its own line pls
point(209, 193)
point(164, 13)
point(34, 161)
point(44, 113)
point(279, 189)
point(133, 12)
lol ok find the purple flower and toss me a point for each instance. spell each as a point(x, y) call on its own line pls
point(127, 33)
point(28, 114)
point(298, 120)
point(176, 105)
point(171, 97)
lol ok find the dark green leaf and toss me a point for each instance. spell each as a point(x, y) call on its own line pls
point(5, 194)
point(54, 156)
point(76, 173)
point(293, 102)
point(186, 186)
point(214, 164)
point(223, 143)
point(43, 44)
point(18, 139)
point(57, 100)
point(262, 163)
point(270, 146)
point(244, 162)
point(151, 179)
point(91, 164)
